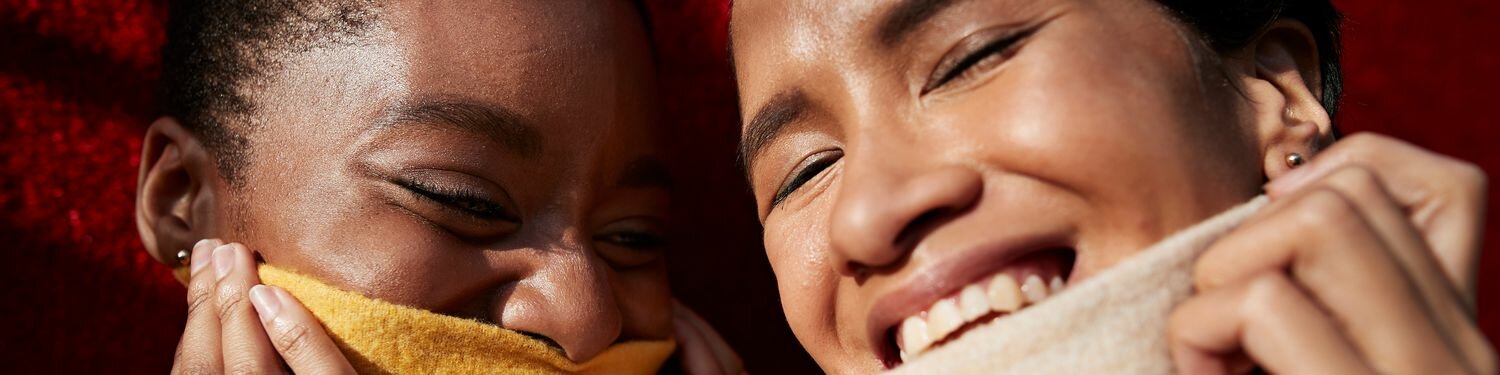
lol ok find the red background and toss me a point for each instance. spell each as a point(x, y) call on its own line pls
point(76, 90)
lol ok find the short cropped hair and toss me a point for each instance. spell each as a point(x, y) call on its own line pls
point(216, 48)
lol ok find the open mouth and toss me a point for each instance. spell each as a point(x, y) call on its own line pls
point(1026, 281)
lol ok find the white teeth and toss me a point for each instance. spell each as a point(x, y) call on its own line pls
point(972, 303)
point(1034, 289)
point(1004, 293)
point(943, 319)
point(913, 336)
point(1000, 294)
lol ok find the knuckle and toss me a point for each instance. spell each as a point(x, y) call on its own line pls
point(1362, 179)
point(231, 301)
point(1322, 209)
point(199, 295)
point(292, 339)
point(1267, 295)
point(1471, 176)
point(244, 367)
point(193, 368)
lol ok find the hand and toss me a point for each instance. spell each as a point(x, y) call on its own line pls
point(237, 326)
point(1364, 262)
point(703, 351)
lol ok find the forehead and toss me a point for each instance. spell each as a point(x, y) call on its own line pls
point(799, 27)
point(527, 53)
point(579, 71)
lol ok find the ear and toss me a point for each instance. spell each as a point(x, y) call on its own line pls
point(174, 194)
point(1283, 81)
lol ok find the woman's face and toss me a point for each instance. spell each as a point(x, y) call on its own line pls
point(490, 160)
point(902, 151)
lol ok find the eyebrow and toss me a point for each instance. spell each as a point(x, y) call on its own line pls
point(646, 172)
point(768, 123)
point(904, 18)
point(498, 123)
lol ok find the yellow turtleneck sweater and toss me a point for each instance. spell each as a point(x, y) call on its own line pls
point(383, 338)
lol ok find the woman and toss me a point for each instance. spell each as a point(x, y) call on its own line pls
point(495, 161)
point(903, 151)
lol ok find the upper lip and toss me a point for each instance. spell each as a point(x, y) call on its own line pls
point(928, 283)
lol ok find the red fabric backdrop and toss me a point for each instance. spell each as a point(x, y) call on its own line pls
point(76, 85)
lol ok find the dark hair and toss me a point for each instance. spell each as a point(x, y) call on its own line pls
point(1232, 24)
point(215, 48)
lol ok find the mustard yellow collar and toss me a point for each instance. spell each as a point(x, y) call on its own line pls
point(383, 338)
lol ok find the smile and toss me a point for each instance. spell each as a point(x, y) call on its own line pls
point(1026, 281)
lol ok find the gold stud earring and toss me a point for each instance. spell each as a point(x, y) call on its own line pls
point(1294, 160)
point(181, 270)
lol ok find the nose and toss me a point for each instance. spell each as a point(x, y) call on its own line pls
point(884, 206)
point(568, 298)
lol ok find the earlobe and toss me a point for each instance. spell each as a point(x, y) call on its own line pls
point(1285, 89)
point(175, 179)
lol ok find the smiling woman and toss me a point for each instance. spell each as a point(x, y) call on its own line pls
point(910, 158)
point(449, 157)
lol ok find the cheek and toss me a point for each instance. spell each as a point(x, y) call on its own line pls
point(333, 230)
point(645, 300)
point(798, 248)
point(1128, 130)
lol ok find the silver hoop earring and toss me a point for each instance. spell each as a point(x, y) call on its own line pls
point(1294, 160)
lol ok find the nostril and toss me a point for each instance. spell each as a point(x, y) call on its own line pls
point(551, 344)
point(900, 246)
point(921, 225)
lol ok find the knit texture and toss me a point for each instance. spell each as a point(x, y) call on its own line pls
point(379, 337)
point(1112, 323)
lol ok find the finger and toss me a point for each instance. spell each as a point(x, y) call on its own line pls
point(297, 335)
point(1442, 300)
point(703, 335)
point(1267, 318)
point(1330, 249)
point(198, 351)
point(246, 348)
point(1445, 197)
point(697, 358)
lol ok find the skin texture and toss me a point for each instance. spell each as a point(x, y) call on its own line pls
point(1104, 128)
point(566, 244)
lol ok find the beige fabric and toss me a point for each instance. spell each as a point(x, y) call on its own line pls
point(1112, 323)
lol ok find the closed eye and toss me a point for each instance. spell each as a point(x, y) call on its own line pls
point(632, 243)
point(464, 202)
point(809, 169)
point(974, 54)
point(635, 240)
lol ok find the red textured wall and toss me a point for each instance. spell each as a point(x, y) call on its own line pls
point(76, 82)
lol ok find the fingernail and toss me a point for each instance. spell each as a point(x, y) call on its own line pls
point(201, 255)
point(223, 260)
point(267, 304)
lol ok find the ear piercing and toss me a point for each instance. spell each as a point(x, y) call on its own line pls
point(181, 270)
point(1294, 160)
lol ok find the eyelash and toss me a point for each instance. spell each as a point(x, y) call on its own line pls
point(636, 240)
point(464, 202)
point(963, 69)
point(802, 176)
